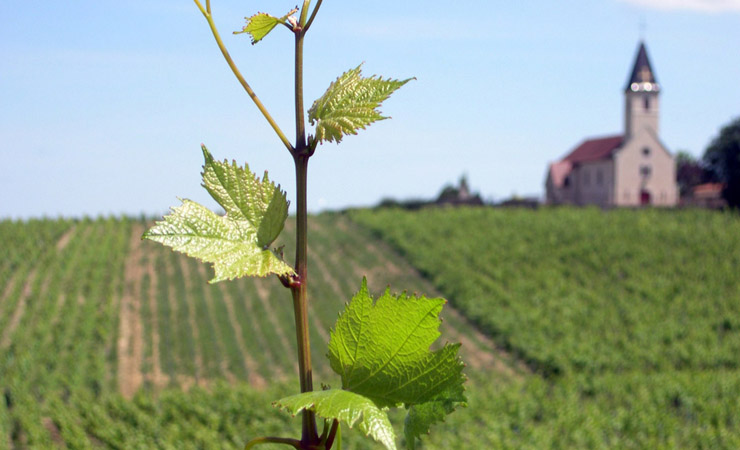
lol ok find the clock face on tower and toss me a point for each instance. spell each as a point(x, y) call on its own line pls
point(644, 81)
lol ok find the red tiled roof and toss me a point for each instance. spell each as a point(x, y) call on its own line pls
point(594, 149)
point(709, 190)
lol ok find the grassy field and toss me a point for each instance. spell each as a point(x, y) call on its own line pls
point(592, 329)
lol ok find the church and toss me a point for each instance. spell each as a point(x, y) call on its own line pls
point(630, 169)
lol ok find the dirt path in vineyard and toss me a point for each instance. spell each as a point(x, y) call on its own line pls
point(250, 366)
point(156, 376)
point(189, 303)
point(66, 237)
point(20, 308)
point(9, 286)
point(130, 330)
point(251, 325)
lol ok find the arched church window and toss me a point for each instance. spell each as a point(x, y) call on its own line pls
point(646, 99)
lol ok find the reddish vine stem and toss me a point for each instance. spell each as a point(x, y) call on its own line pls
point(301, 152)
point(309, 434)
point(332, 434)
point(300, 298)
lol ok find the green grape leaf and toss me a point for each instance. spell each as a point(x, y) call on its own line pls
point(245, 197)
point(261, 24)
point(381, 350)
point(237, 244)
point(346, 407)
point(231, 245)
point(350, 104)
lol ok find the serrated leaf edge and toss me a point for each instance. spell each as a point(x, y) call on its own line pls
point(221, 170)
point(220, 268)
point(277, 21)
point(369, 107)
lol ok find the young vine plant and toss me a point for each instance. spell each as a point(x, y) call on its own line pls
point(381, 348)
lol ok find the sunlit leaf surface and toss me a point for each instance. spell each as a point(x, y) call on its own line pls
point(349, 104)
point(237, 243)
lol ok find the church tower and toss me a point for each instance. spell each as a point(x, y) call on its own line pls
point(641, 95)
point(630, 169)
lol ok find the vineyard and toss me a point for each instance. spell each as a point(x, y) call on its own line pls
point(110, 341)
point(592, 329)
point(633, 317)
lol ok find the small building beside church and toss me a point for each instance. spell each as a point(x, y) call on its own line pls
point(630, 169)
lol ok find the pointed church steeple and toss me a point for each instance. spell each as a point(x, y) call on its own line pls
point(641, 97)
point(642, 77)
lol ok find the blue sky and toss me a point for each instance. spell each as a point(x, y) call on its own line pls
point(103, 105)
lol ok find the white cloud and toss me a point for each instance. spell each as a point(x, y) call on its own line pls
point(695, 5)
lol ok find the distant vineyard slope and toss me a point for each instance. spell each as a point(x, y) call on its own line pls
point(585, 291)
point(113, 342)
point(629, 318)
point(622, 329)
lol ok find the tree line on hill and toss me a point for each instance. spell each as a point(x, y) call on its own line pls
point(459, 195)
point(719, 164)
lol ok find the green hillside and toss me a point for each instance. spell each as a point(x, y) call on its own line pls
point(610, 329)
point(101, 332)
point(632, 317)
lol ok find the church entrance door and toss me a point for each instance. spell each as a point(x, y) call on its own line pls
point(644, 197)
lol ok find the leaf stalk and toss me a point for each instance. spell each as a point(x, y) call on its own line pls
point(214, 30)
point(300, 120)
point(332, 434)
point(313, 15)
point(304, 12)
point(273, 440)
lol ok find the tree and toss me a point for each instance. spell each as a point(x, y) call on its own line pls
point(723, 159)
point(690, 172)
